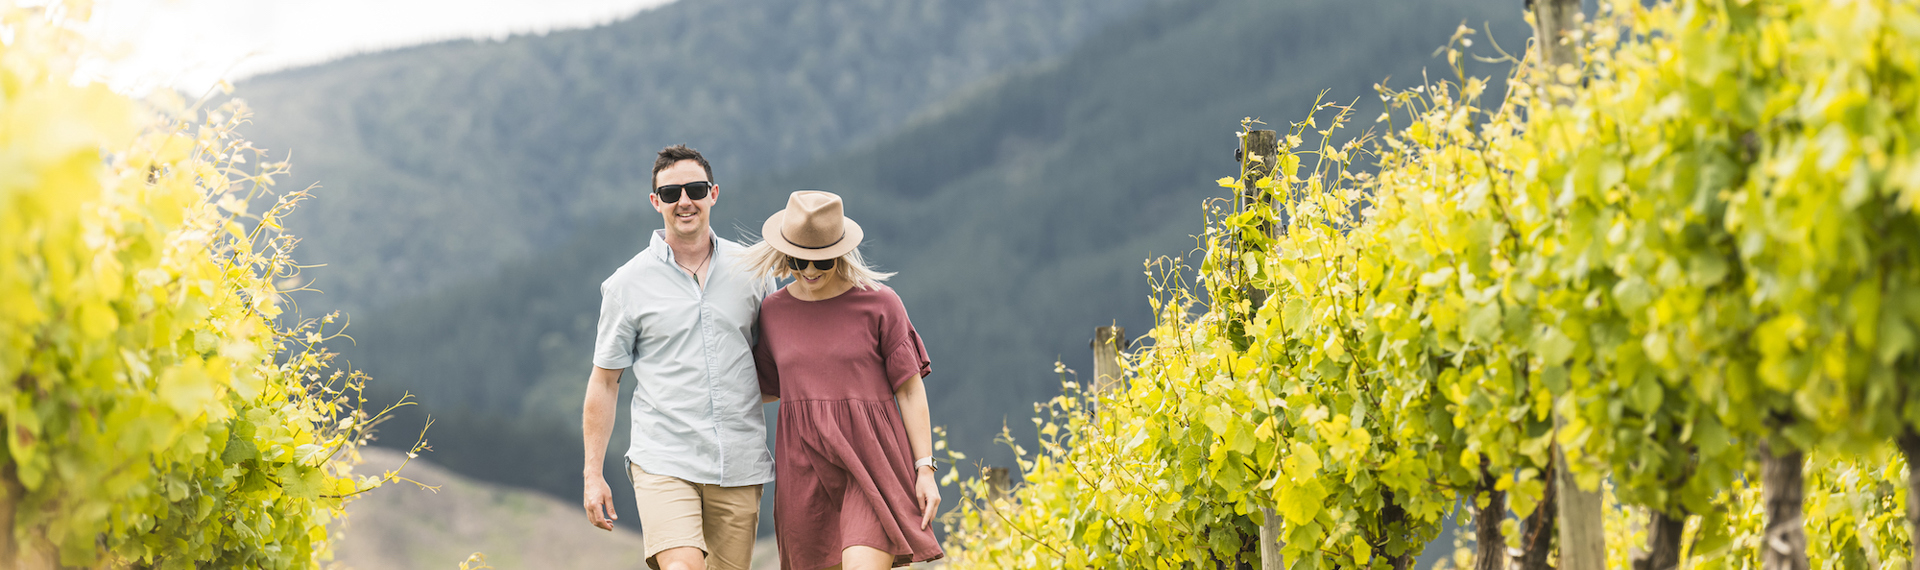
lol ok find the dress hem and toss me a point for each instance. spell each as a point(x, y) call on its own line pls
point(912, 558)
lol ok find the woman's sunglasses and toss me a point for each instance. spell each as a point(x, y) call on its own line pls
point(695, 190)
point(798, 264)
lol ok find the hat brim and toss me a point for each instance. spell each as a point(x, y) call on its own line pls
point(770, 232)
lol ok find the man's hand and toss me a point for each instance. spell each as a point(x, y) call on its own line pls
point(599, 503)
point(927, 491)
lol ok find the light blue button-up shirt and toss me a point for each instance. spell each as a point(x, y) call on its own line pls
point(696, 406)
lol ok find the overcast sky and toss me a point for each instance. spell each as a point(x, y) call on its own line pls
point(190, 44)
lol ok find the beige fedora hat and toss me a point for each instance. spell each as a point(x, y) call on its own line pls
point(814, 226)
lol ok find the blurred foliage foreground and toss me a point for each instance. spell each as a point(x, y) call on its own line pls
point(1689, 265)
point(160, 409)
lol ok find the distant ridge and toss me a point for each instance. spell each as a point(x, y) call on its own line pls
point(439, 162)
point(1018, 218)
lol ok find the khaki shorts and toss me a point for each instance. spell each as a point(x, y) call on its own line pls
point(720, 521)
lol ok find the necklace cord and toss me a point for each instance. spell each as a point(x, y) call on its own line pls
point(703, 262)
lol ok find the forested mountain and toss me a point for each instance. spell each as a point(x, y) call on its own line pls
point(1018, 212)
point(440, 162)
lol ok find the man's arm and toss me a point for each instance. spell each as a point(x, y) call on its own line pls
point(596, 427)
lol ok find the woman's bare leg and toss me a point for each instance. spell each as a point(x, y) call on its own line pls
point(865, 558)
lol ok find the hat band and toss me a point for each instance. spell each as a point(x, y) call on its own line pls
point(783, 235)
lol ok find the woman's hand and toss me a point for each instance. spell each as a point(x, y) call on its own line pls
point(928, 493)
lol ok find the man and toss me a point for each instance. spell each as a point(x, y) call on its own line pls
point(681, 314)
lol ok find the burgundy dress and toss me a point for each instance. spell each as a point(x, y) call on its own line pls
point(843, 467)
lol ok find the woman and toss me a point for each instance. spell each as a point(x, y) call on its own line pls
point(853, 451)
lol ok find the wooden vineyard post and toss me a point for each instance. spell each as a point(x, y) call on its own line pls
point(1582, 537)
point(997, 493)
point(997, 498)
point(1259, 149)
point(1783, 486)
point(1108, 342)
point(1554, 19)
point(1270, 541)
point(34, 553)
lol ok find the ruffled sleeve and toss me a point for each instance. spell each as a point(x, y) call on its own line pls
point(905, 354)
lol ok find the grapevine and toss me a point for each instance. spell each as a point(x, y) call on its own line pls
point(162, 406)
point(1684, 264)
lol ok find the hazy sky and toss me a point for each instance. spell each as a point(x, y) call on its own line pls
point(190, 44)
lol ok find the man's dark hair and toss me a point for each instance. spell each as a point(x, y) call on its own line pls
point(677, 153)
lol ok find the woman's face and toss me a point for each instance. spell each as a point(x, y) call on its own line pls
point(810, 278)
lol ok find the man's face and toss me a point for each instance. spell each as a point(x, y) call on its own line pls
point(686, 218)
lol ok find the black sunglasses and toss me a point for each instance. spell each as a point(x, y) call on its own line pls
point(695, 190)
point(798, 264)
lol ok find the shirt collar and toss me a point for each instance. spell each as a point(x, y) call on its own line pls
point(658, 243)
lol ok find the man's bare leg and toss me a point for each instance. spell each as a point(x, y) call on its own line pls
point(682, 558)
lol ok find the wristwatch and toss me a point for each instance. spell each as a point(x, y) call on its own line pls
point(924, 462)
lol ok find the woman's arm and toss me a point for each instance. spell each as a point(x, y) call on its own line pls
point(764, 367)
point(912, 398)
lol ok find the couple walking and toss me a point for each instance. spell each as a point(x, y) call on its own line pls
point(709, 339)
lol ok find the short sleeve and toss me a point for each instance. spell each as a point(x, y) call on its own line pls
point(905, 354)
point(763, 365)
point(613, 347)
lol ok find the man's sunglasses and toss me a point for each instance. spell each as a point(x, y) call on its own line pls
point(798, 264)
point(695, 190)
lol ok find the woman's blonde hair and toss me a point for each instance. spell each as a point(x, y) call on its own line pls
point(764, 261)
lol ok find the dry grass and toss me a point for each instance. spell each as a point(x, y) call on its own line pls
point(402, 527)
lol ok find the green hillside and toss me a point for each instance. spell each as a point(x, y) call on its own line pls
point(440, 162)
point(1018, 217)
